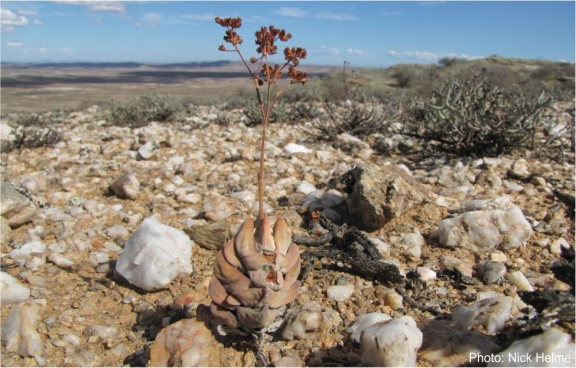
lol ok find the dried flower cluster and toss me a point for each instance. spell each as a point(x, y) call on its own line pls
point(256, 273)
point(266, 39)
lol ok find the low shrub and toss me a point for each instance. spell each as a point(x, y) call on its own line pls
point(474, 117)
point(144, 109)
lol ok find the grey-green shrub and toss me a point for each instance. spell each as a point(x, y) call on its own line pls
point(474, 117)
point(144, 109)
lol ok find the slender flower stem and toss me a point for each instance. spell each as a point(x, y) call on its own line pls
point(265, 39)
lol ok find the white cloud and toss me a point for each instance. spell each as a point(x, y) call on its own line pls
point(37, 22)
point(27, 12)
point(48, 52)
point(152, 19)
point(330, 50)
point(356, 52)
point(422, 55)
point(9, 20)
point(290, 12)
point(332, 16)
point(105, 6)
point(14, 44)
point(427, 55)
point(208, 17)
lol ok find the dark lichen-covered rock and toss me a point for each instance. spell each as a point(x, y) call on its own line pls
point(16, 208)
point(377, 196)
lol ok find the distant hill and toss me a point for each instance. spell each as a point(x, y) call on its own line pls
point(120, 65)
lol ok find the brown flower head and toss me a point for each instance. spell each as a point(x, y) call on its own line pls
point(293, 55)
point(231, 35)
point(297, 76)
point(232, 23)
point(267, 36)
point(271, 73)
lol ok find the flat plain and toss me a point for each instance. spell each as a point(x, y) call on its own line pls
point(41, 88)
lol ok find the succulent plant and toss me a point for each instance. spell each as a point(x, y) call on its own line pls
point(256, 272)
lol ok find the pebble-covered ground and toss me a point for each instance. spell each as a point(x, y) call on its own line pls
point(80, 312)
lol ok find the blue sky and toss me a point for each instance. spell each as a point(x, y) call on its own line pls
point(373, 33)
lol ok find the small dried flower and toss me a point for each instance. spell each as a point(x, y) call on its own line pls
point(231, 35)
point(232, 23)
point(294, 55)
point(267, 36)
point(297, 76)
point(271, 73)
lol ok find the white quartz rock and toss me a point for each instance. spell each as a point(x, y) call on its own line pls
point(340, 293)
point(492, 313)
point(303, 321)
point(292, 148)
point(60, 260)
point(148, 149)
point(364, 321)
point(12, 290)
point(154, 255)
point(391, 344)
point(518, 279)
point(20, 335)
point(305, 187)
point(487, 225)
point(26, 250)
point(552, 348)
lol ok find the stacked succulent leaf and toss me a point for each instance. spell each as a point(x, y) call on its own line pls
point(255, 274)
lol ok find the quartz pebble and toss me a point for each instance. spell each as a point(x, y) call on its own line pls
point(12, 290)
point(425, 274)
point(20, 335)
point(187, 342)
point(518, 279)
point(292, 148)
point(340, 293)
point(126, 186)
point(154, 255)
point(391, 343)
point(482, 229)
point(491, 313)
point(364, 321)
point(553, 348)
point(303, 322)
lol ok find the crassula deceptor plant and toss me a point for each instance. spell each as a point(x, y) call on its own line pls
point(256, 272)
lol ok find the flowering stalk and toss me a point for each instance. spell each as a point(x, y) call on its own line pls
point(256, 272)
point(265, 39)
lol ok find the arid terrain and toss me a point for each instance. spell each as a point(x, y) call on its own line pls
point(34, 88)
point(63, 238)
